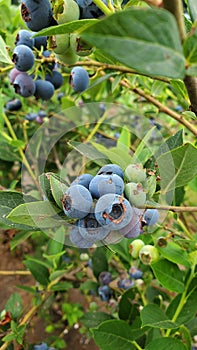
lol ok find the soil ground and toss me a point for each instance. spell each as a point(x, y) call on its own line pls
point(12, 261)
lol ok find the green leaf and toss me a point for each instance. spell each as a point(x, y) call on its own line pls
point(126, 307)
point(4, 57)
point(192, 70)
point(38, 270)
point(55, 245)
point(66, 27)
point(169, 275)
point(139, 152)
point(124, 139)
point(193, 9)
point(129, 36)
point(61, 286)
point(173, 252)
point(184, 163)
point(14, 305)
point(58, 188)
point(90, 152)
point(114, 334)
point(19, 238)
point(93, 319)
point(165, 343)
point(117, 155)
point(40, 214)
point(99, 261)
point(153, 316)
point(190, 48)
point(171, 143)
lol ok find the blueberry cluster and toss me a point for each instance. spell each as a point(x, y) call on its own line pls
point(100, 208)
point(38, 117)
point(23, 58)
point(127, 280)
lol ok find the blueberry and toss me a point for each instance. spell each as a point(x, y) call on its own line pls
point(77, 240)
point(24, 85)
point(37, 14)
point(23, 58)
point(135, 273)
point(90, 229)
point(110, 169)
point(133, 229)
point(39, 119)
point(13, 74)
point(40, 41)
point(135, 247)
point(83, 180)
point(24, 37)
point(103, 184)
point(105, 277)
point(48, 54)
point(135, 172)
point(79, 46)
point(91, 11)
point(42, 114)
point(55, 78)
point(44, 89)
point(135, 194)
point(148, 254)
point(79, 79)
point(60, 95)
point(125, 283)
point(113, 211)
point(70, 12)
point(42, 346)
point(13, 105)
point(62, 43)
point(31, 116)
point(150, 217)
point(84, 3)
point(77, 202)
point(105, 293)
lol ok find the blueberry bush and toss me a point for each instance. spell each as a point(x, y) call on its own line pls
point(98, 171)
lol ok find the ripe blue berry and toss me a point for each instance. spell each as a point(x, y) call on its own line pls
point(105, 277)
point(24, 37)
point(110, 169)
point(105, 293)
point(55, 78)
point(13, 74)
point(42, 346)
point(40, 41)
point(133, 229)
point(77, 202)
point(103, 184)
point(79, 79)
point(24, 85)
point(13, 105)
point(113, 211)
point(150, 217)
point(44, 89)
point(31, 116)
point(135, 273)
point(90, 229)
point(125, 283)
point(23, 58)
point(77, 240)
point(84, 3)
point(37, 14)
point(83, 180)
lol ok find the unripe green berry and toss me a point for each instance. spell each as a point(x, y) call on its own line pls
point(148, 254)
point(69, 57)
point(79, 46)
point(135, 172)
point(62, 43)
point(135, 194)
point(135, 247)
point(70, 12)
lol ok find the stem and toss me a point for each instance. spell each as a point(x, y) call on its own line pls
point(172, 208)
point(5, 69)
point(14, 273)
point(103, 7)
point(93, 132)
point(175, 7)
point(183, 299)
point(22, 155)
point(136, 345)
